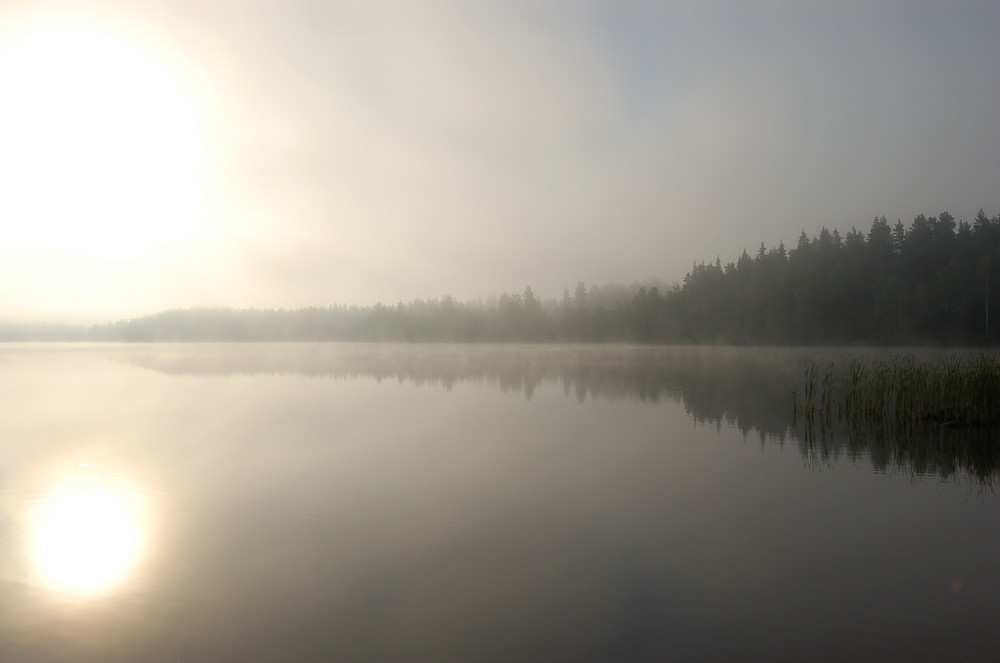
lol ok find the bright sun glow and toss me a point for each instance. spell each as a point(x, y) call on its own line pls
point(87, 535)
point(101, 149)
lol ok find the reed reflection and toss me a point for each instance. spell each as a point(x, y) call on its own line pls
point(921, 449)
point(87, 532)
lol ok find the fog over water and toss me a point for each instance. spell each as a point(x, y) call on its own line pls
point(455, 503)
point(266, 154)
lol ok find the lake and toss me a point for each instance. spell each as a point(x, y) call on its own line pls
point(322, 502)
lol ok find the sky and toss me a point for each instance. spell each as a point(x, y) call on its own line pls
point(176, 153)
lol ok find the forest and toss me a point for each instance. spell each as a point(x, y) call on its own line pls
point(934, 282)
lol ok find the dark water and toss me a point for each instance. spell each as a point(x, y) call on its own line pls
point(446, 503)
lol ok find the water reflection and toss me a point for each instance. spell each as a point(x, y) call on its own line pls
point(747, 388)
point(87, 532)
point(343, 518)
point(925, 449)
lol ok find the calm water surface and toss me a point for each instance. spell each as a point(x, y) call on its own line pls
point(446, 503)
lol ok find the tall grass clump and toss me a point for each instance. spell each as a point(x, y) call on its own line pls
point(962, 390)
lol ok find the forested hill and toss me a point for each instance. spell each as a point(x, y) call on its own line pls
point(934, 282)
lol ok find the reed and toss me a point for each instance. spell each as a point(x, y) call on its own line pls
point(962, 390)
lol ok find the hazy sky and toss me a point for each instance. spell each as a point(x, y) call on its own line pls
point(173, 154)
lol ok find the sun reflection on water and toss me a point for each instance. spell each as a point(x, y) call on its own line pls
point(88, 532)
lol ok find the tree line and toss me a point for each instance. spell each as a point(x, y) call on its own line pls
point(591, 314)
point(935, 282)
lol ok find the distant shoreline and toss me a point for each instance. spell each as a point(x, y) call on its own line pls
point(933, 284)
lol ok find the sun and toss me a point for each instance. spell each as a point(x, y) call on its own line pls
point(102, 153)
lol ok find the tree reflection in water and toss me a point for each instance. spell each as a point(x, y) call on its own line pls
point(747, 388)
